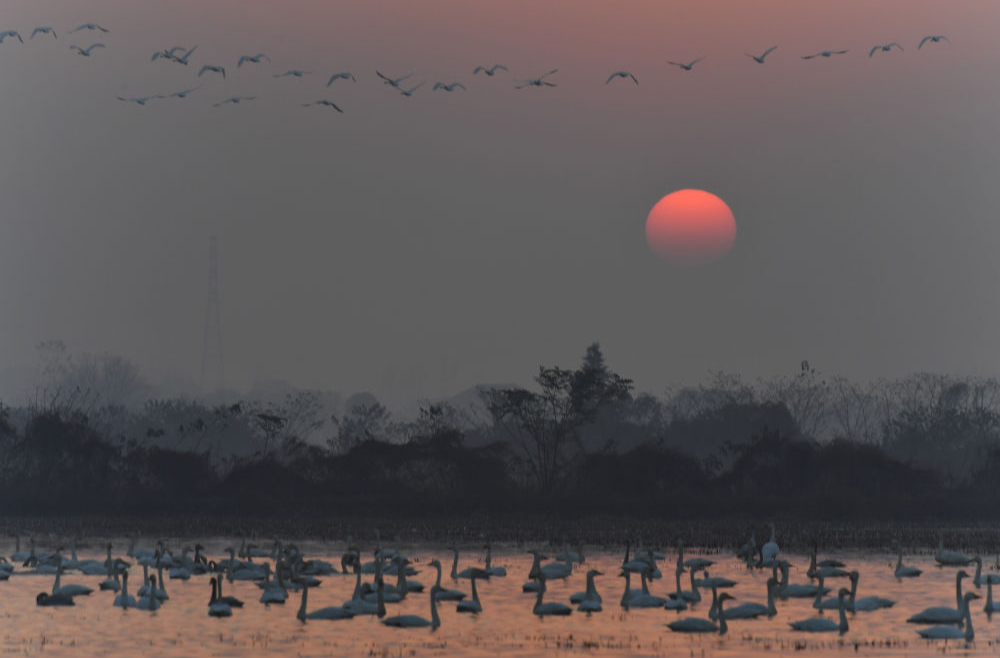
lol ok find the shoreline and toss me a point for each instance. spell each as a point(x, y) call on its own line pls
point(602, 532)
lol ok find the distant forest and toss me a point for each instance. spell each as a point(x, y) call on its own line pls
point(579, 442)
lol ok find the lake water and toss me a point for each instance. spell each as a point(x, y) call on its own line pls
point(182, 626)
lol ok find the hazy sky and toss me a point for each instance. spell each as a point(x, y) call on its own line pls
point(417, 246)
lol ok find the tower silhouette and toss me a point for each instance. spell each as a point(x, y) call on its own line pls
point(211, 352)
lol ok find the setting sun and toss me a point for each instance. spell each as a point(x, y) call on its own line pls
point(690, 227)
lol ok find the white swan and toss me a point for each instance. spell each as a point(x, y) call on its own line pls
point(551, 571)
point(213, 69)
point(4, 35)
point(548, 609)
point(392, 82)
point(409, 92)
point(325, 103)
point(699, 625)
point(943, 614)
point(473, 606)
point(688, 66)
point(904, 571)
point(357, 604)
point(43, 30)
point(749, 610)
point(330, 613)
point(183, 93)
point(645, 599)
point(139, 100)
point(708, 582)
point(18, 555)
point(298, 73)
point(452, 87)
point(591, 599)
point(416, 621)
point(234, 100)
point(124, 600)
point(760, 58)
point(217, 608)
point(793, 591)
point(990, 606)
point(951, 632)
point(978, 580)
point(769, 551)
point(68, 590)
point(89, 26)
point(823, 625)
point(493, 571)
point(444, 594)
point(254, 59)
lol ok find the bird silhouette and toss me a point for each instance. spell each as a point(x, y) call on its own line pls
point(298, 73)
point(340, 76)
point(10, 33)
point(184, 93)
point(183, 59)
point(89, 26)
point(489, 71)
point(760, 58)
point(43, 30)
point(138, 101)
point(167, 54)
point(452, 87)
point(886, 48)
point(85, 52)
point(621, 74)
point(254, 59)
point(688, 66)
point(933, 39)
point(392, 82)
point(825, 53)
point(234, 100)
point(538, 82)
point(409, 92)
point(214, 69)
point(325, 103)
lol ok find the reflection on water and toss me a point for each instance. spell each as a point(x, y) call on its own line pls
point(182, 626)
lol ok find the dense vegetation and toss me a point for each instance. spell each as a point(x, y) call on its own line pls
point(580, 442)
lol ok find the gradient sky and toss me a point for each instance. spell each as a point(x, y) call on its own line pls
point(416, 246)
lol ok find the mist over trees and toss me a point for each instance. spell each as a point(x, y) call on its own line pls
point(95, 439)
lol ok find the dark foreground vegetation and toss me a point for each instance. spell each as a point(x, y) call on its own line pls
point(579, 445)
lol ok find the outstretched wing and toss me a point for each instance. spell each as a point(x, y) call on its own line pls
point(811, 56)
point(478, 69)
point(923, 41)
point(633, 78)
point(611, 77)
point(873, 50)
point(768, 52)
point(379, 74)
point(548, 74)
point(675, 63)
point(243, 59)
point(459, 85)
point(696, 61)
point(839, 52)
point(499, 66)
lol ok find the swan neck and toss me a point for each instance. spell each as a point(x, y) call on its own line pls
point(302, 606)
point(843, 616)
point(435, 620)
point(723, 627)
point(958, 592)
point(454, 566)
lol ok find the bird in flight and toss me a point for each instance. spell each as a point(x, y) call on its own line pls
point(253, 59)
point(409, 92)
point(298, 73)
point(688, 66)
point(89, 26)
point(138, 101)
point(10, 33)
point(326, 103)
point(540, 81)
point(621, 74)
point(760, 58)
point(167, 54)
point(489, 71)
point(43, 30)
point(85, 52)
point(214, 69)
point(184, 93)
point(886, 48)
point(390, 81)
point(183, 59)
point(234, 100)
point(452, 87)
point(825, 53)
point(340, 76)
point(933, 39)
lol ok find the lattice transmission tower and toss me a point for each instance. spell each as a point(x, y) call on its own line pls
point(211, 353)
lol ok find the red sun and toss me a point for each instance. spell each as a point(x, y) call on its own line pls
point(690, 227)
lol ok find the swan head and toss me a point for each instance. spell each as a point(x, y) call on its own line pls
point(435, 563)
point(844, 592)
point(594, 572)
point(725, 596)
point(971, 595)
point(854, 575)
point(960, 575)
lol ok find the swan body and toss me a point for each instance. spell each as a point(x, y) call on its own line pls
point(760, 60)
point(452, 87)
point(139, 100)
point(415, 621)
point(234, 100)
point(950, 632)
point(473, 606)
point(46, 599)
point(548, 609)
point(331, 613)
point(4, 35)
point(822, 625)
point(298, 73)
point(944, 614)
point(43, 30)
point(699, 625)
point(409, 92)
point(905, 571)
point(392, 82)
point(492, 570)
point(183, 94)
point(990, 606)
point(326, 103)
point(89, 26)
point(231, 601)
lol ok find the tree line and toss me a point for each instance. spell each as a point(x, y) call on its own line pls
point(579, 441)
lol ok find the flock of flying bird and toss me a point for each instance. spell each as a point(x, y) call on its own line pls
point(182, 55)
point(293, 572)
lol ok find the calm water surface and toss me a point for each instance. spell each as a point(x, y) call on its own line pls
point(182, 626)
